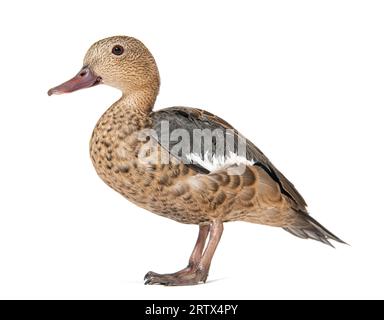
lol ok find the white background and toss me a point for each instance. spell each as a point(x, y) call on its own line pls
point(302, 79)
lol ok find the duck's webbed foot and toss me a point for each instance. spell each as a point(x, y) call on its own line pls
point(184, 277)
point(199, 263)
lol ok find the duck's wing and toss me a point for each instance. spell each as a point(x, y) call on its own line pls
point(172, 123)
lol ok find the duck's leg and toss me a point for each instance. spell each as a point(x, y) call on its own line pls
point(198, 267)
point(193, 260)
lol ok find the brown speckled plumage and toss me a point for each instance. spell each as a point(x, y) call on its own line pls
point(178, 190)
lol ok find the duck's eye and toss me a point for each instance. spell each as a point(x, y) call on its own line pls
point(117, 50)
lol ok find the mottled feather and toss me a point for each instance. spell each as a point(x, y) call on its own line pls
point(191, 118)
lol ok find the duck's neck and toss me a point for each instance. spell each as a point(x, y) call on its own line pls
point(140, 101)
point(132, 109)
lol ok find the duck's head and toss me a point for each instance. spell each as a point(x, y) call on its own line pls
point(121, 62)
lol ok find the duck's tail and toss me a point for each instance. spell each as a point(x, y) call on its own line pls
point(306, 227)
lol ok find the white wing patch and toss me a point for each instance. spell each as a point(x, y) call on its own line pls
point(213, 163)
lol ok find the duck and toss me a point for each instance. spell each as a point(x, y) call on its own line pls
point(182, 163)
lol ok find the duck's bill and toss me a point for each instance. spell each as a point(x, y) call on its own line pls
point(84, 79)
